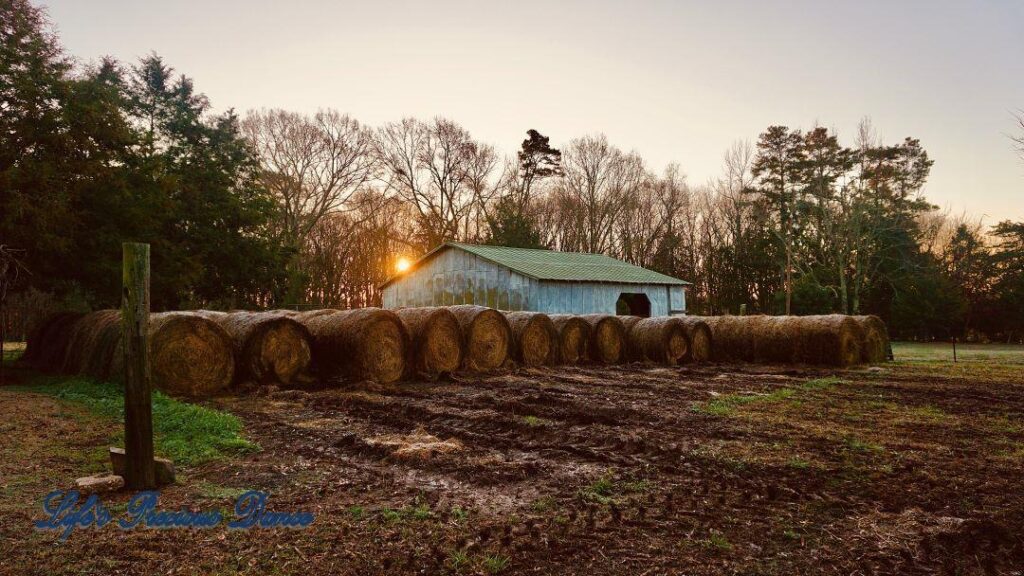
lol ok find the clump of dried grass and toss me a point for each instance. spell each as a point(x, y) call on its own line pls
point(417, 445)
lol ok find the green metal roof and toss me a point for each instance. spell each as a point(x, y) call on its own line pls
point(560, 266)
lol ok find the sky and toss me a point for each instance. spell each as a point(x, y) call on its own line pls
point(676, 81)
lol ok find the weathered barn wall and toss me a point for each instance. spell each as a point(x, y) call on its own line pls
point(458, 277)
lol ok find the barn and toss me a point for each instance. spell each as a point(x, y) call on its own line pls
point(536, 280)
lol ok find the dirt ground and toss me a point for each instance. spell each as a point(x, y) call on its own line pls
point(904, 469)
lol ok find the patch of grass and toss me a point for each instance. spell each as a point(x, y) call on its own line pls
point(356, 512)
point(418, 512)
point(790, 534)
point(599, 491)
point(421, 512)
point(637, 486)
point(717, 542)
point(186, 433)
point(798, 463)
point(534, 421)
point(391, 515)
point(458, 560)
point(458, 513)
point(858, 445)
point(929, 414)
point(726, 405)
point(543, 504)
point(495, 563)
point(218, 492)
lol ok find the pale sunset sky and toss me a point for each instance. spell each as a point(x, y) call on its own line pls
point(675, 81)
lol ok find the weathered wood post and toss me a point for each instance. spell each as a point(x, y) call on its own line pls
point(138, 408)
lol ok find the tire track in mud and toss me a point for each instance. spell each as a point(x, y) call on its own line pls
point(573, 439)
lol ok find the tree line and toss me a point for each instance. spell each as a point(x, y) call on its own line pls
point(277, 208)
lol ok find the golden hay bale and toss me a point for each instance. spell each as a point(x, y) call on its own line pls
point(535, 339)
point(270, 347)
point(436, 340)
point(631, 353)
point(833, 340)
point(486, 336)
point(875, 347)
point(701, 344)
point(189, 355)
point(574, 338)
point(47, 342)
point(92, 343)
point(661, 339)
point(360, 344)
point(607, 338)
point(733, 337)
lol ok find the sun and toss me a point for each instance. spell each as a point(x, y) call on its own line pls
point(403, 265)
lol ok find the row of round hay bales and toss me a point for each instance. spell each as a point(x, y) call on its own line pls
point(189, 354)
point(203, 353)
point(490, 339)
point(832, 340)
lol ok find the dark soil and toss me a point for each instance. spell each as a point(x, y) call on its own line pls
point(630, 470)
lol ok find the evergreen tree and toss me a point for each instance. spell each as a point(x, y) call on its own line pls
point(510, 222)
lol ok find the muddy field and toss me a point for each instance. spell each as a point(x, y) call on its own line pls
point(723, 469)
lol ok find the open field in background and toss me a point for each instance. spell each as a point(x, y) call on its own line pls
point(943, 351)
point(912, 467)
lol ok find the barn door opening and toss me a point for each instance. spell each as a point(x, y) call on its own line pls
point(630, 304)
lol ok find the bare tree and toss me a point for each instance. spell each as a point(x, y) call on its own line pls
point(312, 165)
point(441, 171)
point(599, 179)
point(1019, 139)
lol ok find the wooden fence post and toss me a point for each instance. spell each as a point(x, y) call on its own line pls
point(138, 408)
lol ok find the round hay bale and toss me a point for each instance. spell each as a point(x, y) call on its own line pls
point(632, 351)
point(92, 343)
point(189, 355)
point(735, 337)
point(436, 340)
point(607, 338)
point(269, 347)
point(701, 343)
point(875, 347)
point(360, 344)
point(833, 339)
point(486, 336)
point(46, 344)
point(535, 338)
point(574, 338)
point(661, 339)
